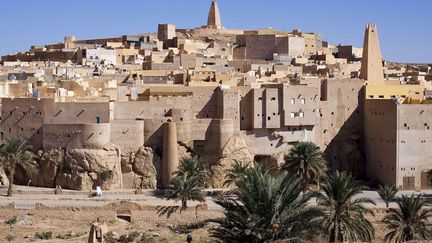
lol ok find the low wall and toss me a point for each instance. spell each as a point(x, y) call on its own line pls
point(71, 136)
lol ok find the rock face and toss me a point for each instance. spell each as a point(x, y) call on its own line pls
point(49, 165)
point(3, 178)
point(140, 169)
point(77, 169)
point(235, 150)
point(84, 169)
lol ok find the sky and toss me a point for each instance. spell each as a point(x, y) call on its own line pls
point(404, 26)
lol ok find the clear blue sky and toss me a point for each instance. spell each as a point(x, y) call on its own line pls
point(404, 25)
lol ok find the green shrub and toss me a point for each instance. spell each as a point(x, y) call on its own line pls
point(108, 237)
point(106, 175)
point(133, 236)
point(147, 239)
point(11, 221)
point(44, 235)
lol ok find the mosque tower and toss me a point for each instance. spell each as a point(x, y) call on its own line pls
point(214, 18)
point(371, 66)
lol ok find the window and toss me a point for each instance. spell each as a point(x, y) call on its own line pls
point(371, 96)
point(303, 101)
point(98, 119)
point(381, 96)
point(301, 114)
point(273, 98)
point(292, 101)
point(292, 114)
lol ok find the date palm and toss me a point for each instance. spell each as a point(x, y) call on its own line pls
point(237, 172)
point(193, 167)
point(15, 152)
point(344, 218)
point(266, 208)
point(409, 221)
point(387, 193)
point(183, 188)
point(305, 161)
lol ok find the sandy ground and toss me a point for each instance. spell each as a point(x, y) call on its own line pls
point(70, 215)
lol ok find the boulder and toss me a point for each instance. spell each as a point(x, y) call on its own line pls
point(4, 180)
point(141, 169)
point(48, 165)
point(84, 169)
point(234, 150)
point(183, 152)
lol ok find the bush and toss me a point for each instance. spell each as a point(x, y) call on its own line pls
point(147, 239)
point(11, 221)
point(44, 235)
point(133, 236)
point(69, 235)
point(108, 238)
point(106, 175)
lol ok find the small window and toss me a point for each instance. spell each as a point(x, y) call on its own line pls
point(371, 96)
point(273, 98)
point(292, 101)
point(303, 101)
point(381, 96)
point(292, 114)
point(301, 114)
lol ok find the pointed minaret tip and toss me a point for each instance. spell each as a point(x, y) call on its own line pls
point(371, 67)
point(214, 18)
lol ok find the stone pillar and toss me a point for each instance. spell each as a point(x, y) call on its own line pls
point(170, 159)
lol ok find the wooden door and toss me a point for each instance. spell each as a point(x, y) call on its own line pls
point(425, 183)
point(408, 183)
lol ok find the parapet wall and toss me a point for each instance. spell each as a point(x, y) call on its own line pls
point(72, 136)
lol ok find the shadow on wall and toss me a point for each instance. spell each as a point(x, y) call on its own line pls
point(346, 150)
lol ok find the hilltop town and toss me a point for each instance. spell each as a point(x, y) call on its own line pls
point(131, 107)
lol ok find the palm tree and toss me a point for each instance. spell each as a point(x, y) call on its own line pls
point(13, 153)
point(194, 167)
point(185, 188)
point(409, 221)
point(266, 208)
point(237, 172)
point(305, 161)
point(344, 218)
point(387, 193)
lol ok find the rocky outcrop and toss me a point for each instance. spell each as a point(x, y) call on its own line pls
point(183, 152)
point(234, 150)
point(3, 178)
point(48, 166)
point(84, 169)
point(76, 169)
point(140, 169)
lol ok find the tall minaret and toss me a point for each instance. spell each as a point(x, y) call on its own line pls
point(371, 66)
point(214, 18)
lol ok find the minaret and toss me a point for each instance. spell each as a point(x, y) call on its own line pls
point(371, 67)
point(214, 18)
